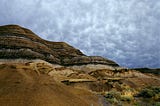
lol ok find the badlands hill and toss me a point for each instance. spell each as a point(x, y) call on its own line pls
point(37, 72)
point(18, 42)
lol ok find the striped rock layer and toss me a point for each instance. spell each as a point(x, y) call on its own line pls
point(18, 42)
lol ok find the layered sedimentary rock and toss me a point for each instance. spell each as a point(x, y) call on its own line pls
point(80, 60)
point(18, 42)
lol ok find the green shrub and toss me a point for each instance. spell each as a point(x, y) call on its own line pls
point(156, 89)
point(113, 100)
point(113, 97)
point(157, 97)
point(149, 92)
point(157, 104)
point(113, 94)
point(137, 104)
point(146, 93)
point(126, 98)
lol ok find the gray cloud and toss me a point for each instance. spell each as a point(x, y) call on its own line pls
point(126, 31)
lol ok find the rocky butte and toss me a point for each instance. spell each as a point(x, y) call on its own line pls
point(36, 72)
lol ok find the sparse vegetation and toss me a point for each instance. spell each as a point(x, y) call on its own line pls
point(149, 96)
point(150, 92)
point(116, 98)
point(127, 98)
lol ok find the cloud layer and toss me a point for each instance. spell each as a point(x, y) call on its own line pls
point(127, 31)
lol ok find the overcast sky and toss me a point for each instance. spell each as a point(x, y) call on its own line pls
point(126, 31)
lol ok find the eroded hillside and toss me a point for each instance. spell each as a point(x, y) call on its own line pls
point(18, 42)
point(37, 72)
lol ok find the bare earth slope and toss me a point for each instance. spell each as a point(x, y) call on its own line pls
point(36, 82)
point(22, 85)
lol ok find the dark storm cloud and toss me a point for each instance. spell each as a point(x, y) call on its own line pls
point(126, 31)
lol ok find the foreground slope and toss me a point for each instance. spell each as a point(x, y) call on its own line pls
point(36, 82)
point(22, 84)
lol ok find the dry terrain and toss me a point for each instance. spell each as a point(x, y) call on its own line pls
point(21, 84)
point(36, 72)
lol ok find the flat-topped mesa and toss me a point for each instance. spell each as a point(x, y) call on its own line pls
point(18, 42)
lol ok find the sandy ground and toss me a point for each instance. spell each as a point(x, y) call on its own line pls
point(24, 87)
